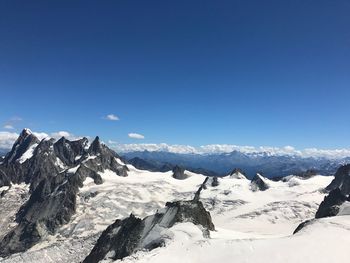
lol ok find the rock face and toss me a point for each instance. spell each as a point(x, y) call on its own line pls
point(70, 151)
point(129, 235)
point(259, 183)
point(341, 180)
point(179, 173)
point(331, 203)
point(55, 171)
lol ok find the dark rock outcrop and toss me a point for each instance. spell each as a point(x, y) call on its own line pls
point(215, 181)
point(331, 203)
point(4, 180)
point(125, 237)
point(201, 187)
point(258, 183)
point(179, 173)
point(303, 225)
point(341, 180)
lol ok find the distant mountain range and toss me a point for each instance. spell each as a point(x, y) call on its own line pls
point(220, 164)
point(223, 164)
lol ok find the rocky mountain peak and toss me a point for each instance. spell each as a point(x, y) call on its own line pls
point(70, 151)
point(259, 183)
point(25, 140)
point(95, 147)
point(238, 174)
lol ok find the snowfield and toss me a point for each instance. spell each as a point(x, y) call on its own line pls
point(251, 226)
point(324, 241)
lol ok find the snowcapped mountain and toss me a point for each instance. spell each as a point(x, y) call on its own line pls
point(221, 164)
point(74, 201)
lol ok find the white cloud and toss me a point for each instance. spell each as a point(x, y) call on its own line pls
point(8, 127)
point(112, 117)
point(41, 135)
point(112, 142)
point(65, 134)
point(7, 139)
point(60, 134)
point(136, 136)
point(57, 135)
point(15, 119)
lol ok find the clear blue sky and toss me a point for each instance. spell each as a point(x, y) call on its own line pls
point(187, 72)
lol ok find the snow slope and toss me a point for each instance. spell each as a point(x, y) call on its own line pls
point(325, 241)
point(249, 224)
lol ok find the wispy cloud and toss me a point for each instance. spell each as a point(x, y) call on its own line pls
point(8, 127)
point(136, 136)
point(16, 118)
point(11, 123)
point(112, 117)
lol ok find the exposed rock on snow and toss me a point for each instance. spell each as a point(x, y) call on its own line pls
point(341, 180)
point(124, 237)
point(331, 204)
point(303, 225)
point(179, 173)
point(215, 181)
point(259, 183)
